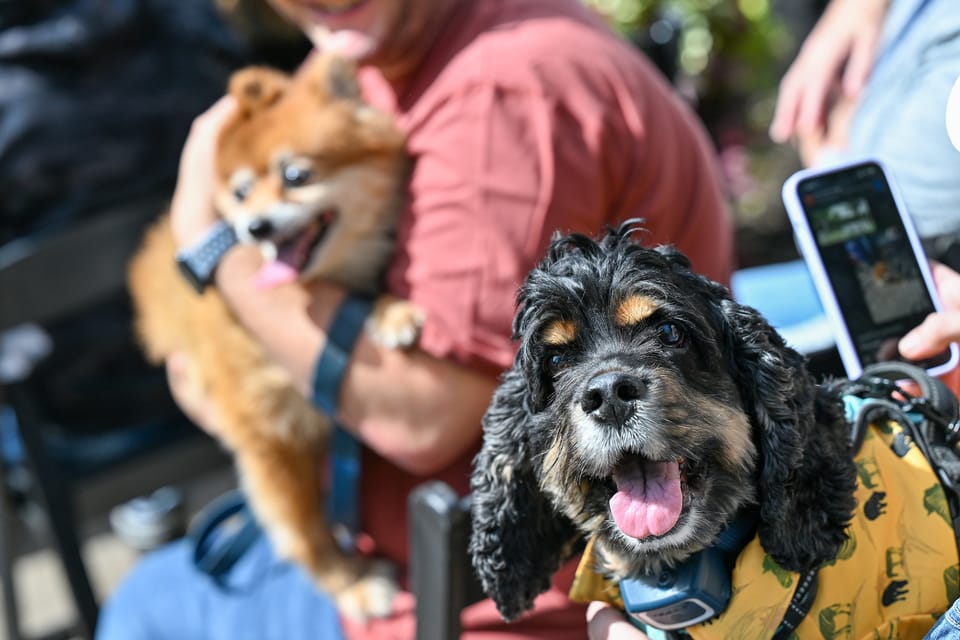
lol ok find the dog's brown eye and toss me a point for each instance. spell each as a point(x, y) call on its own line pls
point(670, 334)
point(294, 176)
point(242, 190)
point(555, 363)
point(241, 183)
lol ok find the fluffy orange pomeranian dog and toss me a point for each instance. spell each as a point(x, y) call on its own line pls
point(323, 173)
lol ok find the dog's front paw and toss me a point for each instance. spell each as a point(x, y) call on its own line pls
point(395, 323)
point(371, 596)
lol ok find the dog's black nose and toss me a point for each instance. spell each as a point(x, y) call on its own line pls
point(260, 228)
point(611, 396)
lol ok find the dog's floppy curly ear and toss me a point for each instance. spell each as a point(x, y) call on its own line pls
point(806, 472)
point(518, 540)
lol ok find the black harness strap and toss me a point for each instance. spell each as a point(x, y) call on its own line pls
point(799, 607)
point(936, 431)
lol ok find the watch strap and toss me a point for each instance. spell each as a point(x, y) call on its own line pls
point(198, 262)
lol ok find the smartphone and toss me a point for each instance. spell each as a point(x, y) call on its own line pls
point(866, 261)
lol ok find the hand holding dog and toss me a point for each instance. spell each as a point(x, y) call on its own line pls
point(191, 215)
point(939, 329)
point(192, 210)
point(197, 407)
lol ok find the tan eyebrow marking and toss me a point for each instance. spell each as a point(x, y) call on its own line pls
point(634, 309)
point(560, 332)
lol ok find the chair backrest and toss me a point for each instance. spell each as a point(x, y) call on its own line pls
point(441, 575)
point(45, 278)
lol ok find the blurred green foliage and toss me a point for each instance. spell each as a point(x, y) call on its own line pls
point(732, 53)
point(730, 57)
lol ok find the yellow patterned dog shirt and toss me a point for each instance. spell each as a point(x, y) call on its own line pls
point(896, 574)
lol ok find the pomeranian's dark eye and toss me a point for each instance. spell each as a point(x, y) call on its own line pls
point(670, 334)
point(295, 176)
point(242, 190)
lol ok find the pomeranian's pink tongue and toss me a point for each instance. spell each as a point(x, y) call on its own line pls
point(648, 499)
point(290, 256)
point(274, 273)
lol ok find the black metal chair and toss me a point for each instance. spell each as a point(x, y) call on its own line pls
point(93, 404)
point(441, 576)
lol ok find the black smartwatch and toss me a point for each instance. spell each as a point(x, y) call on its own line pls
point(197, 263)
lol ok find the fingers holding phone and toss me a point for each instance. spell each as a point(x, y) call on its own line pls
point(606, 623)
point(937, 330)
point(867, 264)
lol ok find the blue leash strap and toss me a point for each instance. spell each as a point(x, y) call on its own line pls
point(345, 328)
point(217, 546)
point(226, 529)
point(343, 492)
point(343, 497)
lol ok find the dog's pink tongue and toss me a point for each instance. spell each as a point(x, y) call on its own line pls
point(648, 499)
point(290, 255)
point(275, 273)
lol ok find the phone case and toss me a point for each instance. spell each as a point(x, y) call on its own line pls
point(807, 245)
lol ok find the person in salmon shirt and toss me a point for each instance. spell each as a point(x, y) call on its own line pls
point(523, 117)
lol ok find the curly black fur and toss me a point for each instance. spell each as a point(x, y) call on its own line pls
point(711, 387)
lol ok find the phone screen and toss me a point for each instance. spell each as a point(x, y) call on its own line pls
point(868, 259)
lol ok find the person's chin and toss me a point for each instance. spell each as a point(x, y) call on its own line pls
point(349, 43)
point(353, 15)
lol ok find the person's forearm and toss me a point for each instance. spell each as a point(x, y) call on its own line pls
point(841, 9)
point(839, 53)
point(420, 412)
point(285, 320)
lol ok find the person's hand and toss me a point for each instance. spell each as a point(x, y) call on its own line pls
point(831, 68)
point(185, 393)
point(192, 210)
point(939, 329)
point(606, 623)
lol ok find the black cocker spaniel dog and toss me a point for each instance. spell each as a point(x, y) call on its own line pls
point(645, 409)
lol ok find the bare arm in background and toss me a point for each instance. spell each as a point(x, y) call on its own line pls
point(821, 87)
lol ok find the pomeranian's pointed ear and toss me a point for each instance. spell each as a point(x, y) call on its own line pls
point(256, 88)
point(333, 77)
point(806, 472)
point(518, 540)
